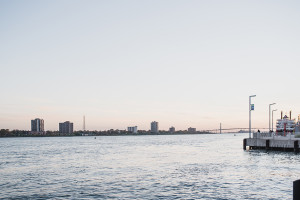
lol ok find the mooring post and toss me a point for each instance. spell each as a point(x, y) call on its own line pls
point(296, 190)
point(245, 144)
point(296, 146)
point(267, 144)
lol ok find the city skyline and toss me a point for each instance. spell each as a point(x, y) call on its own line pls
point(183, 64)
point(37, 125)
point(280, 114)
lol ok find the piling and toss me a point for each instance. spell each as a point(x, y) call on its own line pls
point(296, 190)
point(267, 144)
point(296, 146)
point(244, 144)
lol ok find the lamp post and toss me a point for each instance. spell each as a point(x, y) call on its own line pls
point(270, 115)
point(272, 118)
point(250, 108)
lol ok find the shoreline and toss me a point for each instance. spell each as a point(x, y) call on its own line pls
point(85, 135)
point(114, 134)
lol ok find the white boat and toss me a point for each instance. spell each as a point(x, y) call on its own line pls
point(285, 125)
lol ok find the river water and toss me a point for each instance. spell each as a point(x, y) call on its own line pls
point(143, 167)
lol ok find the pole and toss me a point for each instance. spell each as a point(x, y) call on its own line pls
point(83, 123)
point(249, 116)
point(220, 128)
point(272, 119)
point(270, 115)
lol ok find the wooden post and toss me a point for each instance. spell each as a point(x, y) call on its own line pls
point(245, 144)
point(296, 147)
point(296, 189)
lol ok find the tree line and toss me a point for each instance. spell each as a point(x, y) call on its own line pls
point(111, 132)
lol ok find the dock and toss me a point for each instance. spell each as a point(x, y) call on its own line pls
point(273, 142)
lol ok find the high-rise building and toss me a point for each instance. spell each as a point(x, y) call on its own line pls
point(37, 125)
point(66, 127)
point(191, 129)
point(132, 129)
point(154, 127)
point(172, 129)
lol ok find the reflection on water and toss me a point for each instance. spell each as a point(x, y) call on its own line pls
point(143, 167)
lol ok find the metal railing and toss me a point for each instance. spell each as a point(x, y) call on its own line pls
point(274, 134)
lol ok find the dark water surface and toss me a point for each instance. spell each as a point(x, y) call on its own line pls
point(143, 167)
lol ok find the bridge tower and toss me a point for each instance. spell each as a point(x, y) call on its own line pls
point(83, 123)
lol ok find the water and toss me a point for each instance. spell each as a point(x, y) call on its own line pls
point(143, 167)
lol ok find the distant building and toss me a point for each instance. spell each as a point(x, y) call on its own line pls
point(132, 129)
point(172, 129)
point(192, 130)
point(66, 127)
point(37, 125)
point(154, 127)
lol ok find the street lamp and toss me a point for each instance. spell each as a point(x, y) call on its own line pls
point(250, 108)
point(270, 115)
point(272, 118)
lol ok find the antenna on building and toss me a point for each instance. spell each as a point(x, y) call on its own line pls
point(83, 123)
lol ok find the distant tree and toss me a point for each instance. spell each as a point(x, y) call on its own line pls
point(4, 132)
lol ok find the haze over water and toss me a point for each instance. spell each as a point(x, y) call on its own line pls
point(127, 63)
point(143, 167)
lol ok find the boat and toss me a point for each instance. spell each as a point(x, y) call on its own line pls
point(285, 125)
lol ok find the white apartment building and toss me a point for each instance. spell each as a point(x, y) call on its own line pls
point(132, 129)
point(154, 127)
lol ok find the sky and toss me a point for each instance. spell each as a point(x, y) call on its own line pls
point(126, 63)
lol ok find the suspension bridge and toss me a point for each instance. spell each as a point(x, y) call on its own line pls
point(234, 130)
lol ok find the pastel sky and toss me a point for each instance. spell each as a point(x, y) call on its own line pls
point(122, 63)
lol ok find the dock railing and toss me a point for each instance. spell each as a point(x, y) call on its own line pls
point(262, 134)
point(284, 136)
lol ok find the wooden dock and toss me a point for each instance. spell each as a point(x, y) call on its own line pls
point(272, 142)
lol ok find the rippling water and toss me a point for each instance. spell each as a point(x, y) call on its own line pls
point(143, 167)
